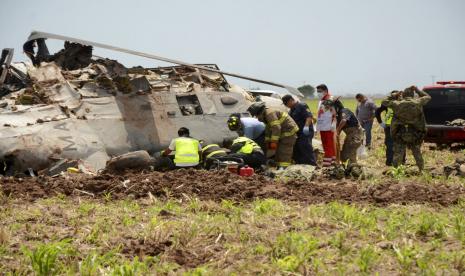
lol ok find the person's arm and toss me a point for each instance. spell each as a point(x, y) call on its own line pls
point(334, 119)
point(424, 98)
point(309, 121)
point(389, 101)
point(341, 125)
point(378, 112)
point(345, 117)
point(236, 147)
point(275, 126)
point(308, 115)
point(170, 149)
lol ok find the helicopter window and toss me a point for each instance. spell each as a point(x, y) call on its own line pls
point(189, 105)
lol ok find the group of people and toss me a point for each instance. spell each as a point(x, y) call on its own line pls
point(404, 125)
point(286, 137)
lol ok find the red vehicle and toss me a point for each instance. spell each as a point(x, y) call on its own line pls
point(447, 104)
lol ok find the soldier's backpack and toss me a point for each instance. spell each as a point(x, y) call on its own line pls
point(409, 112)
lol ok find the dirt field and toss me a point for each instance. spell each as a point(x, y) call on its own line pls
point(217, 186)
point(205, 223)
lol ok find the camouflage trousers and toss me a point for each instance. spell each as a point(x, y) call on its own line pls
point(400, 150)
point(353, 140)
point(284, 152)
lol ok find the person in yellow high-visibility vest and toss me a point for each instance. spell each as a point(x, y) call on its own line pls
point(186, 149)
point(248, 150)
point(385, 123)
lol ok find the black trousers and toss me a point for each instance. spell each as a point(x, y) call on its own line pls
point(166, 163)
point(254, 160)
point(303, 150)
point(389, 143)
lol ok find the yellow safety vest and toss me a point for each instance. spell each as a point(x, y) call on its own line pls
point(187, 151)
point(388, 117)
point(249, 145)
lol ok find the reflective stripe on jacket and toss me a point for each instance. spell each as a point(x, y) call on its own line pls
point(279, 124)
point(187, 151)
point(212, 150)
point(249, 145)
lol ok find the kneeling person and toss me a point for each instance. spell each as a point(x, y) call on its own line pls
point(209, 153)
point(248, 127)
point(186, 150)
point(249, 151)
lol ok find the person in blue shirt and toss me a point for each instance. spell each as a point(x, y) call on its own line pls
point(303, 150)
point(248, 127)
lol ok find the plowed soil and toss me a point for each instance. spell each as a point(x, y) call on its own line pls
point(222, 185)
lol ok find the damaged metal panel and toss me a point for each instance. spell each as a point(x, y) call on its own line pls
point(38, 145)
point(42, 35)
point(30, 115)
point(5, 61)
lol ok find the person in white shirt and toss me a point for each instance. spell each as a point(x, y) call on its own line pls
point(326, 125)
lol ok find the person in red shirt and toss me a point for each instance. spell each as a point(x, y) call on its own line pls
point(326, 125)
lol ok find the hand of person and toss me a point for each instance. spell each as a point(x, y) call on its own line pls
point(272, 145)
point(306, 131)
point(383, 125)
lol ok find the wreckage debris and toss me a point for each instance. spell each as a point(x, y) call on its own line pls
point(76, 106)
point(456, 169)
point(132, 160)
point(456, 122)
point(296, 173)
point(341, 171)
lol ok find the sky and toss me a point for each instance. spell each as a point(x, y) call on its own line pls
point(357, 46)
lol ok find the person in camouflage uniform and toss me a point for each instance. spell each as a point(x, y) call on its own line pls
point(280, 132)
point(408, 126)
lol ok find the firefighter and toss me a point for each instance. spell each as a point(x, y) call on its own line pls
point(209, 153)
point(280, 132)
point(187, 150)
point(249, 151)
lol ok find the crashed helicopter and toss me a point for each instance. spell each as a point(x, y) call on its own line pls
point(72, 105)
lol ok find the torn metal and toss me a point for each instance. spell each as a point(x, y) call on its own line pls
point(72, 105)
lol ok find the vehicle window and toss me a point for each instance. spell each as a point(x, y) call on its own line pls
point(447, 96)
